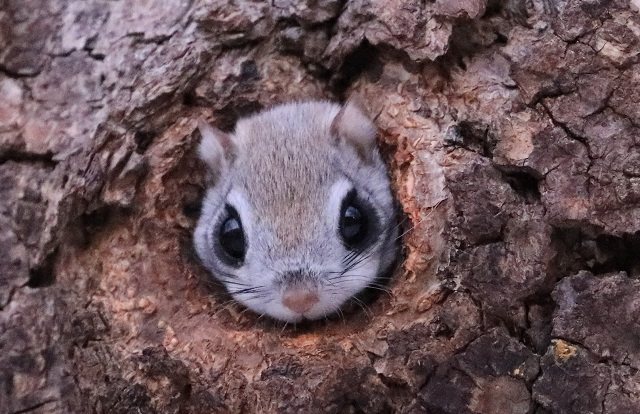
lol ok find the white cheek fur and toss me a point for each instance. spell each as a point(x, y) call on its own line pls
point(261, 293)
point(258, 289)
point(337, 291)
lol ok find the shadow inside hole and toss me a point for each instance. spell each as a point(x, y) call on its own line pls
point(472, 136)
point(586, 248)
point(44, 275)
point(143, 140)
point(615, 254)
point(524, 182)
point(364, 59)
point(228, 116)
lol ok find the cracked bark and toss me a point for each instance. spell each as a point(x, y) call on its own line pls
point(511, 131)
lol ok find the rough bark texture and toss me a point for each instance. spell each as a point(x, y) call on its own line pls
point(512, 133)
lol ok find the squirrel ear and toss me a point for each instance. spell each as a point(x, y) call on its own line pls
point(216, 148)
point(353, 126)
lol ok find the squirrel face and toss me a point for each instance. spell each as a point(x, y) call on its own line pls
point(299, 216)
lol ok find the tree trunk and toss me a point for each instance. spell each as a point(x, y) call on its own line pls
point(512, 131)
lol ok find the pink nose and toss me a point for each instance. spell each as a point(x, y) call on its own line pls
point(299, 300)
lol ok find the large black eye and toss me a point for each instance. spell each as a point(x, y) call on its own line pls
point(231, 236)
point(354, 225)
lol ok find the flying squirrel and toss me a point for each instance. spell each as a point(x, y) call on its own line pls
point(298, 216)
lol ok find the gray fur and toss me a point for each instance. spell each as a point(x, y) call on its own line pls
point(281, 173)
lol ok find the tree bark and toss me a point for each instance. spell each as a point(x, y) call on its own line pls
point(512, 133)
